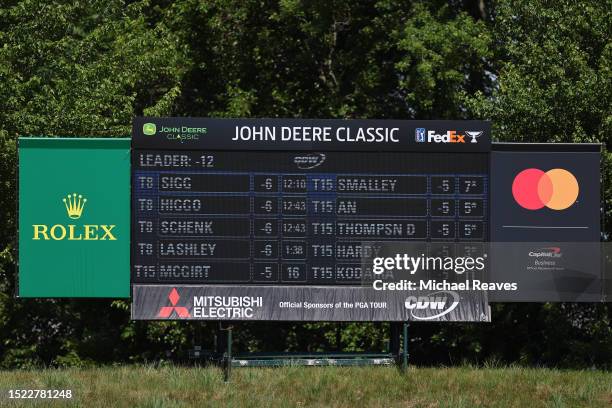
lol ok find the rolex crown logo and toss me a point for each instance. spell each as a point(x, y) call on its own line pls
point(74, 205)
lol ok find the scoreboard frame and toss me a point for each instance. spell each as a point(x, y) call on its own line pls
point(326, 136)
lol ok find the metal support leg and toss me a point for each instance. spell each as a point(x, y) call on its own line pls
point(395, 334)
point(228, 360)
point(405, 345)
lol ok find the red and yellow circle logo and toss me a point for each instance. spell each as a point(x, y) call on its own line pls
point(556, 189)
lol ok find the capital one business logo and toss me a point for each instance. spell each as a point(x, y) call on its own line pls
point(534, 189)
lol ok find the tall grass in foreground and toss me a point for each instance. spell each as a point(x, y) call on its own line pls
point(147, 386)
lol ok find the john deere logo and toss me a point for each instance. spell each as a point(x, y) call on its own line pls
point(74, 208)
point(74, 204)
point(149, 129)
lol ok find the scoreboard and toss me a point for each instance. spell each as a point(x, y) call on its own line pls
point(312, 220)
point(289, 203)
point(294, 217)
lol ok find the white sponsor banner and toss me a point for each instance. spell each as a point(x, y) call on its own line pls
point(305, 303)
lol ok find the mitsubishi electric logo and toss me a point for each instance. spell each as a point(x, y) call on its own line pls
point(166, 311)
point(74, 204)
point(441, 303)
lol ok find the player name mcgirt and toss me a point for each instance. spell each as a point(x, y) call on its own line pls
point(87, 232)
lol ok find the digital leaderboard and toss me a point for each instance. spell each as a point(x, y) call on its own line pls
point(298, 202)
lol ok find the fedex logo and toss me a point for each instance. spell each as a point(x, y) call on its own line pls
point(449, 137)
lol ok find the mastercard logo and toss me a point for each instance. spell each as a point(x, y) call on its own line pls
point(556, 189)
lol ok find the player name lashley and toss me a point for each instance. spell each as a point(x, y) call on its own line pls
point(186, 249)
point(433, 284)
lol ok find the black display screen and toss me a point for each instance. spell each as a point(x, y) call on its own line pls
point(294, 217)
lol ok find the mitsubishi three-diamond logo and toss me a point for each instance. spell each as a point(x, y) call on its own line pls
point(166, 311)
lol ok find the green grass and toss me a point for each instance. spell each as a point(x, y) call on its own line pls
point(143, 386)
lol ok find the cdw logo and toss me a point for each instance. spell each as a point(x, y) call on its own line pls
point(442, 303)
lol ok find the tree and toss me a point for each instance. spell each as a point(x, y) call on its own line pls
point(551, 65)
point(71, 69)
point(539, 70)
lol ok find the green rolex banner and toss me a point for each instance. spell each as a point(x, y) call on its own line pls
point(74, 217)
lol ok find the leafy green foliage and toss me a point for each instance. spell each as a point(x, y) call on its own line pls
point(539, 70)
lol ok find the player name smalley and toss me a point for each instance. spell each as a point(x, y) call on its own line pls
point(382, 185)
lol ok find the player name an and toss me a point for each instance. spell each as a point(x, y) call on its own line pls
point(163, 160)
point(366, 185)
point(187, 249)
